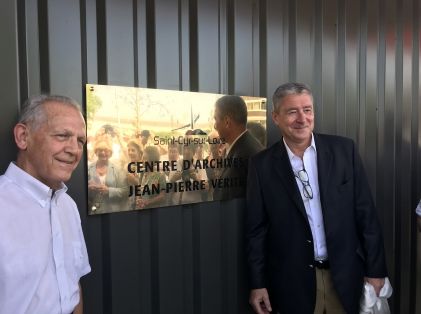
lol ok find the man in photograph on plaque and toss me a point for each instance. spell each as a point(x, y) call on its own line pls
point(230, 117)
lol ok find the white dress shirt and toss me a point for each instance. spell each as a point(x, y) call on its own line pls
point(313, 206)
point(42, 249)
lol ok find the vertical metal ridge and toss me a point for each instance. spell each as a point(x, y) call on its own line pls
point(318, 64)
point(102, 41)
point(413, 149)
point(194, 86)
point(362, 77)
point(180, 45)
point(150, 44)
point(135, 45)
point(398, 160)
point(44, 54)
point(107, 301)
point(197, 291)
point(381, 86)
point(341, 121)
point(193, 46)
point(155, 283)
point(84, 51)
point(263, 85)
point(292, 40)
point(230, 36)
point(22, 53)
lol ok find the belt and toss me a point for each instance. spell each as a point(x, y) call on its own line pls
point(322, 264)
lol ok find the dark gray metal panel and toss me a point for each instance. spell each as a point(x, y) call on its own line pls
point(243, 47)
point(207, 217)
point(305, 41)
point(369, 106)
point(416, 142)
point(32, 67)
point(64, 40)
point(9, 84)
point(327, 106)
point(119, 39)
point(167, 44)
point(352, 31)
point(404, 159)
point(209, 259)
point(90, 31)
point(93, 284)
point(209, 59)
point(141, 40)
point(386, 200)
point(121, 244)
point(170, 222)
point(277, 58)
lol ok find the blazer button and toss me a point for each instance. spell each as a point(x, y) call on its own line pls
point(311, 266)
point(309, 241)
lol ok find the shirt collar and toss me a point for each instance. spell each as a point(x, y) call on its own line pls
point(230, 146)
point(38, 190)
point(291, 155)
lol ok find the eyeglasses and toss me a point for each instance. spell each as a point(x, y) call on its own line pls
point(303, 177)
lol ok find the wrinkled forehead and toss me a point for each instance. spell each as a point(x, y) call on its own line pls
point(57, 110)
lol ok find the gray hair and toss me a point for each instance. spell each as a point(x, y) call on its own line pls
point(33, 112)
point(289, 89)
point(233, 106)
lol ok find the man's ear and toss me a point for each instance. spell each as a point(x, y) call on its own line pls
point(275, 117)
point(21, 135)
point(227, 121)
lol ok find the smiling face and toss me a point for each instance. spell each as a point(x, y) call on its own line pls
point(295, 119)
point(51, 151)
point(134, 153)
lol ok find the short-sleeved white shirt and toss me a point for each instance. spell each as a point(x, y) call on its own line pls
point(42, 249)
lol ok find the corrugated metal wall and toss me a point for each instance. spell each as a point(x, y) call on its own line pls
point(360, 57)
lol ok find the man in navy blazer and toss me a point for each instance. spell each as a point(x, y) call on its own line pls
point(312, 230)
point(231, 123)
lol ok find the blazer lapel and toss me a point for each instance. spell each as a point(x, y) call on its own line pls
point(324, 165)
point(285, 173)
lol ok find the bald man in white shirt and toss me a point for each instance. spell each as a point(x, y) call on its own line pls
point(42, 249)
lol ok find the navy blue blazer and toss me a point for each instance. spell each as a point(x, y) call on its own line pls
point(245, 147)
point(279, 242)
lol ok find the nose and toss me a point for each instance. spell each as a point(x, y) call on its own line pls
point(72, 146)
point(301, 116)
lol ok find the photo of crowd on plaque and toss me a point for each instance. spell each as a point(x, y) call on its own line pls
point(150, 148)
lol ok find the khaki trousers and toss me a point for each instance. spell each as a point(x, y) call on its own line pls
point(327, 300)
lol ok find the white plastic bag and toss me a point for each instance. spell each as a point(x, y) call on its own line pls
point(370, 303)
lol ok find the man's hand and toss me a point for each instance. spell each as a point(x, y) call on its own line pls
point(377, 283)
point(79, 308)
point(259, 300)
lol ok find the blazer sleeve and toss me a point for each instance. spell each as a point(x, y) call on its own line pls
point(255, 228)
point(369, 228)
